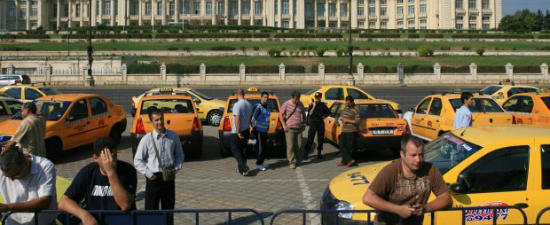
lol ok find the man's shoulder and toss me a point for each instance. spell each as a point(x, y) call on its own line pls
point(43, 162)
point(89, 168)
point(126, 166)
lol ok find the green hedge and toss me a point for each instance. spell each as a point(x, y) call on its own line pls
point(386, 35)
point(308, 35)
point(182, 69)
point(544, 36)
point(262, 69)
point(527, 69)
point(23, 36)
point(294, 69)
point(495, 36)
point(153, 68)
point(418, 69)
point(491, 69)
point(434, 36)
point(222, 69)
point(212, 35)
point(460, 69)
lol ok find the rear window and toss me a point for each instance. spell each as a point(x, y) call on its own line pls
point(48, 91)
point(272, 105)
point(168, 106)
point(376, 111)
point(546, 101)
point(481, 105)
point(490, 90)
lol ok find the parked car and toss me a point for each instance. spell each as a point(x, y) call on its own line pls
point(12, 79)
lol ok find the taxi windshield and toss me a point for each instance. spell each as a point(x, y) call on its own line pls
point(49, 110)
point(546, 101)
point(481, 105)
point(168, 106)
point(490, 90)
point(48, 91)
point(447, 151)
point(271, 104)
point(376, 111)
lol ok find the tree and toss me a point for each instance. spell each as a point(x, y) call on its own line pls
point(539, 21)
point(547, 21)
point(522, 21)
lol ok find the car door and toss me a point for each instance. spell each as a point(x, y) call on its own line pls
point(521, 107)
point(196, 101)
point(499, 178)
point(333, 94)
point(77, 125)
point(330, 122)
point(541, 190)
point(433, 119)
point(418, 119)
point(356, 93)
point(4, 111)
point(99, 121)
point(30, 94)
point(14, 92)
point(13, 106)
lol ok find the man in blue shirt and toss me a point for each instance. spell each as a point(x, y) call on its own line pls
point(260, 121)
point(463, 115)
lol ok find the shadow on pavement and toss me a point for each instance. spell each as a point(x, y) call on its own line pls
point(251, 219)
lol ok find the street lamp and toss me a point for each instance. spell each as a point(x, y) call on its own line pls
point(350, 80)
point(89, 79)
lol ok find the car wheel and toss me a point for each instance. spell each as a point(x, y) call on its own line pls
point(53, 148)
point(214, 117)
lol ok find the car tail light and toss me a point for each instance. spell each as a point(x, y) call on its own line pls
point(196, 125)
point(140, 128)
point(133, 105)
point(226, 124)
point(514, 120)
point(279, 127)
point(404, 129)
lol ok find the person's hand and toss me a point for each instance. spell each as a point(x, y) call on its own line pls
point(285, 129)
point(404, 211)
point(419, 210)
point(107, 163)
point(240, 135)
point(154, 177)
point(4, 208)
point(89, 220)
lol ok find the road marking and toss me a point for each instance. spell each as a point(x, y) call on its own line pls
point(307, 197)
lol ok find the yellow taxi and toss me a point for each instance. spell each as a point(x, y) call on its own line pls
point(380, 125)
point(529, 108)
point(502, 165)
point(275, 134)
point(28, 92)
point(208, 109)
point(434, 114)
point(9, 107)
point(506, 89)
point(180, 116)
point(73, 120)
point(332, 93)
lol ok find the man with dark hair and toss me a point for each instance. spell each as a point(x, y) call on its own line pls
point(292, 116)
point(318, 111)
point(463, 115)
point(349, 118)
point(240, 131)
point(30, 134)
point(27, 184)
point(402, 188)
point(105, 184)
point(260, 123)
point(159, 156)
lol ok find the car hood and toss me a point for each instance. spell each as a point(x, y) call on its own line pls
point(351, 185)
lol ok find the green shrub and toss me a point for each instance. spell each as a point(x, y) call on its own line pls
point(384, 35)
point(544, 36)
point(182, 69)
point(418, 69)
point(445, 48)
point(222, 48)
point(461, 69)
point(480, 51)
point(172, 48)
point(527, 69)
point(294, 69)
point(425, 51)
point(336, 68)
point(434, 36)
point(222, 69)
point(274, 52)
point(320, 51)
point(491, 69)
point(262, 69)
point(139, 68)
point(465, 48)
point(412, 36)
point(341, 52)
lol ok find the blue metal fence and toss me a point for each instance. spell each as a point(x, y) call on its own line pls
point(539, 215)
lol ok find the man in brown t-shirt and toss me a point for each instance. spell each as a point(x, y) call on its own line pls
point(401, 189)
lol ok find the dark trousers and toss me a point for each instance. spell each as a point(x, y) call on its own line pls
point(238, 148)
point(160, 192)
point(317, 127)
point(347, 142)
point(261, 146)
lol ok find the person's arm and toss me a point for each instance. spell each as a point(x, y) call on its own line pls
point(237, 119)
point(141, 156)
point(439, 188)
point(19, 134)
point(373, 200)
point(179, 154)
point(442, 201)
point(123, 199)
point(70, 206)
point(34, 205)
point(303, 109)
point(282, 117)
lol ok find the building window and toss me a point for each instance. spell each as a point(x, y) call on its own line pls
point(360, 2)
point(147, 8)
point(221, 8)
point(400, 23)
point(34, 12)
point(485, 4)
point(460, 18)
point(411, 22)
point(382, 2)
point(423, 21)
point(285, 23)
point(361, 23)
point(197, 6)
point(107, 8)
point(371, 2)
point(246, 7)
point(233, 8)
point(399, 10)
point(486, 18)
point(459, 4)
point(383, 23)
point(159, 8)
point(423, 9)
point(372, 23)
point(399, 1)
point(372, 11)
point(473, 26)
point(54, 11)
point(332, 9)
point(472, 4)
point(284, 8)
point(171, 8)
point(66, 10)
point(344, 10)
point(411, 1)
point(77, 9)
point(186, 7)
point(383, 11)
point(360, 11)
point(486, 26)
point(411, 9)
point(320, 8)
point(135, 9)
point(209, 8)
point(309, 9)
point(473, 18)
point(258, 10)
point(294, 10)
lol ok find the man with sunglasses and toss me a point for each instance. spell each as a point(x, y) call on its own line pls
point(27, 184)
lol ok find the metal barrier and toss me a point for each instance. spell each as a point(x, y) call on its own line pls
point(496, 210)
point(539, 215)
point(139, 217)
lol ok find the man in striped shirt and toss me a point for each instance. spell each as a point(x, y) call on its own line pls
point(348, 139)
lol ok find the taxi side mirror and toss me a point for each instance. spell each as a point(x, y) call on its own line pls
point(69, 118)
point(461, 185)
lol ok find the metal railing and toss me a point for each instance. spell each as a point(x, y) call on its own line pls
point(539, 215)
point(158, 217)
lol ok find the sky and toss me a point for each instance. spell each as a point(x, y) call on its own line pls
point(511, 6)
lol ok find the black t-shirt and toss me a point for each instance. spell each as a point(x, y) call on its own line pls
point(92, 190)
point(321, 110)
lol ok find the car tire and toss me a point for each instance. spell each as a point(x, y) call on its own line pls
point(214, 117)
point(53, 148)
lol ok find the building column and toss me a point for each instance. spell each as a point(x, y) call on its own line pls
point(353, 15)
point(291, 13)
point(203, 12)
point(301, 14)
point(264, 13)
point(58, 17)
point(27, 15)
point(315, 13)
point(177, 11)
point(140, 12)
point(122, 17)
point(279, 13)
point(239, 12)
point(214, 12)
point(338, 17)
point(112, 13)
point(39, 21)
point(226, 11)
point(163, 11)
point(69, 14)
point(153, 12)
point(93, 13)
point(17, 15)
point(101, 6)
point(326, 14)
point(252, 12)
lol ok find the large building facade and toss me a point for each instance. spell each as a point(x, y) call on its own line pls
point(373, 14)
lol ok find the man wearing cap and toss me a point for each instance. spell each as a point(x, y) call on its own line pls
point(317, 112)
point(349, 118)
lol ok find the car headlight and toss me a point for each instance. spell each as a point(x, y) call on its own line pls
point(343, 205)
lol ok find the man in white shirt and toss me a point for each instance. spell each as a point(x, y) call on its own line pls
point(27, 184)
point(157, 151)
point(463, 115)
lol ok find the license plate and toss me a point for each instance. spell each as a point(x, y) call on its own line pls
point(251, 141)
point(382, 132)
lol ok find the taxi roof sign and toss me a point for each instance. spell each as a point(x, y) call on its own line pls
point(253, 89)
point(166, 90)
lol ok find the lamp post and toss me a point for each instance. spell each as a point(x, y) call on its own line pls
point(350, 79)
point(89, 79)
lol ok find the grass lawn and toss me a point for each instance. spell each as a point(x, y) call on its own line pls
point(452, 61)
point(366, 45)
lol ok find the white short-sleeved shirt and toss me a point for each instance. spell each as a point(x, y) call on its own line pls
point(243, 109)
point(463, 118)
point(40, 182)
